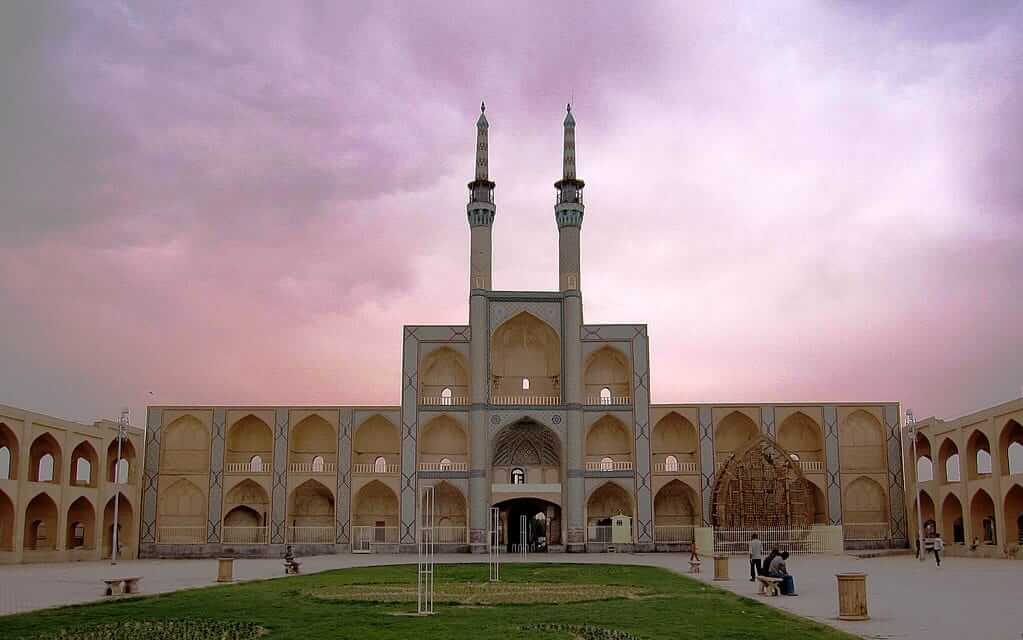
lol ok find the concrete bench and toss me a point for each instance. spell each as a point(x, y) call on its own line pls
point(117, 586)
point(769, 586)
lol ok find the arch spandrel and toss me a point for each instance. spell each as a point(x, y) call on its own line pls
point(761, 487)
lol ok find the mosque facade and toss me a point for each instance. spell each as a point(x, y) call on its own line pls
point(530, 415)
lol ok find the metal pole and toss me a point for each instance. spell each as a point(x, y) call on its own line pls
point(911, 422)
point(122, 430)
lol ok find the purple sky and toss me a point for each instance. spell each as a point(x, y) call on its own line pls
point(228, 203)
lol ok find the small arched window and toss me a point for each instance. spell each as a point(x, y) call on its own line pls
point(380, 465)
point(605, 396)
point(1015, 461)
point(256, 464)
point(952, 468)
point(318, 464)
point(445, 396)
point(924, 469)
point(83, 471)
point(121, 471)
point(671, 464)
point(445, 464)
point(983, 462)
point(525, 384)
point(518, 476)
point(606, 464)
point(5, 463)
point(46, 468)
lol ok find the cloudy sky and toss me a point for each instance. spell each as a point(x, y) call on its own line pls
point(244, 202)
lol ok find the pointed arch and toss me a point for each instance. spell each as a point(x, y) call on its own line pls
point(126, 534)
point(376, 437)
point(801, 435)
point(81, 524)
point(760, 487)
point(606, 368)
point(1010, 446)
point(444, 369)
point(185, 446)
point(6, 522)
point(676, 505)
point(982, 517)
point(865, 502)
point(978, 455)
point(375, 503)
point(120, 469)
point(734, 433)
point(312, 445)
point(952, 520)
point(45, 459)
point(609, 437)
point(449, 507)
point(247, 438)
point(525, 347)
point(606, 501)
point(1013, 514)
point(84, 465)
point(927, 512)
point(441, 436)
point(863, 443)
point(182, 504)
point(674, 436)
point(526, 442)
point(8, 453)
point(40, 524)
point(948, 462)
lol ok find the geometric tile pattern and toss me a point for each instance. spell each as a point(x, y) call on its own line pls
point(896, 482)
point(707, 468)
point(343, 501)
point(641, 408)
point(767, 421)
point(832, 465)
point(150, 475)
point(215, 503)
point(548, 311)
point(279, 490)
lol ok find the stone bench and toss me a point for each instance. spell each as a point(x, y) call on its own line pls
point(117, 586)
point(769, 586)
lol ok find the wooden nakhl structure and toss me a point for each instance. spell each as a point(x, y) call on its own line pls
point(761, 487)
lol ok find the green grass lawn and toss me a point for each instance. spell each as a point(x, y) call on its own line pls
point(646, 602)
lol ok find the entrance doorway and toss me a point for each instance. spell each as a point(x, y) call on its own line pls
point(543, 524)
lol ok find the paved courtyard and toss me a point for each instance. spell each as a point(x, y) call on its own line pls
point(966, 598)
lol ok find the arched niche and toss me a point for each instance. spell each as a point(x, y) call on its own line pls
point(181, 504)
point(247, 438)
point(84, 465)
point(928, 513)
point(313, 437)
point(982, 517)
point(449, 510)
point(608, 500)
point(375, 505)
point(81, 525)
point(978, 455)
point(126, 533)
point(607, 368)
point(819, 502)
point(41, 524)
point(1013, 515)
point(185, 447)
point(863, 443)
point(442, 437)
point(948, 462)
point(45, 459)
point(444, 368)
point(8, 453)
point(246, 505)
point(952, 520)
point(1010, 444)
point(529, 446)
point(121, 469)
point(525, 348)
point(800, 434)
point(674, 435)
point(760, 487)
point(6, 522)
point(675, 505)
point(376, 438)
point(734, 433)
point(311, 510)
point(865, 502)
point(608, 437)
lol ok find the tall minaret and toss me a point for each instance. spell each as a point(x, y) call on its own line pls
point(569, 212)
point(480, 210)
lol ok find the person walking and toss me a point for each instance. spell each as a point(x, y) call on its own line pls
point(939, 548)
point(756, 554)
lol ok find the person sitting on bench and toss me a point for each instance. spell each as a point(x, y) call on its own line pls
point(778, 569)
point(290, 564)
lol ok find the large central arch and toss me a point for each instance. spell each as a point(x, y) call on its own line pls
point(528, 447)
point(760, 487)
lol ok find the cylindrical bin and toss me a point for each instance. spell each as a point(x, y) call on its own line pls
point(721, 567)
point(852, 596)
point(225, 569)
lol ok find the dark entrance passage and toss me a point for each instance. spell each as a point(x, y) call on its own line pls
point(543, 524)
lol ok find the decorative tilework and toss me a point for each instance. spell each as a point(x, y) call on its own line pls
point(767, 426)
point(833, 465)
point(344, 476)
point(707, 468)
point(896, 484)
point(553, 420)
point(641, 409)
point(151, 474)
point(216, 502)
point(279, 497)
point(549, 312)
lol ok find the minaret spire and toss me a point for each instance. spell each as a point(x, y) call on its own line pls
point(481, 209)
point(568, 211)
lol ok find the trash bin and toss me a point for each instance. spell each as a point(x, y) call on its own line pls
point(852, 596)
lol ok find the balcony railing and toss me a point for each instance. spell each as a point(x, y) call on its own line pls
point(609, 400)
point(674, 534)
point(545, 401)
point(456, 401)
point(309, 467)
point(364, 538)
point(181, 535)
point(873, 531)
point(443, 466)
point(679, 467)
point(375, 469)
point(609, 465)
point(311, 535)
point(245, 535)
point(598, 533)
point(448, 535)
point(811, 465)
point(247, 467)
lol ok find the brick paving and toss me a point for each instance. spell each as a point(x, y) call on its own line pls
point(966, 598)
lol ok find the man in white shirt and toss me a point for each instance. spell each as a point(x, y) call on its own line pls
point(756, 554)
point(939, 548)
